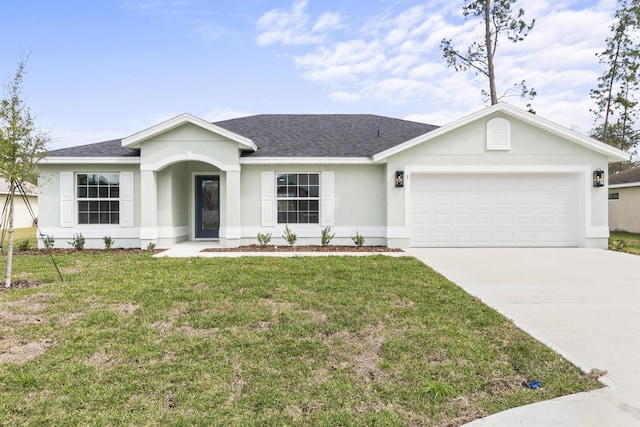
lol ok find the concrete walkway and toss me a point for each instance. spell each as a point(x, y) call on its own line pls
point(584, 303)
point(194, 249)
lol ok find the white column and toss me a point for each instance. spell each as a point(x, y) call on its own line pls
point(148, 207)
point(231, 205)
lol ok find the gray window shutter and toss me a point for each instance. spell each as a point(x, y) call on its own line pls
point(126, 199)
point(66, 199)
point(268, 199)
point(328, 197)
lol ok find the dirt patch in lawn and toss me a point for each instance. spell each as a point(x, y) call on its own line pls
point(12, 350)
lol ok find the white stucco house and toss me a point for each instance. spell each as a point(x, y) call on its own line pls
point(624, 201)
point(499, 177)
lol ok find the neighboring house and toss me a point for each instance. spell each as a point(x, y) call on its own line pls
point(22, 217)
point(624, 201)
point(499, 177)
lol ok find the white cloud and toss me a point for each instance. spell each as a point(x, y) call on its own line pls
point(327, 21)
point(342, 62)
point(219, 114)
point(395, 58)
point(345, 97)
point(294, 27)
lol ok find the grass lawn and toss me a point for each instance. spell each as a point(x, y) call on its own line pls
point(626, 242)
point(21, 235)
point(132, 340)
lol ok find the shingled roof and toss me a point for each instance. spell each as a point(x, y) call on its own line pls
point(325, 135)
point(111, 148)
point(630, 176)
point(295, 135)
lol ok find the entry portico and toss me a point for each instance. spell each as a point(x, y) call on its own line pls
point(187, 162)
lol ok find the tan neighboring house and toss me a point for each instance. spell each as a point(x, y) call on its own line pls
point(22, 217)
point(624, 201)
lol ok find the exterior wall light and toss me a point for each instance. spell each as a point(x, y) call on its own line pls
point(399, 178)
point(598, 178)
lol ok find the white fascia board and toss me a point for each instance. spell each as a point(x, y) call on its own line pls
point(627, 185)
point(306, 161)
point(612, 153)
point(90, 160)
point(134, 140)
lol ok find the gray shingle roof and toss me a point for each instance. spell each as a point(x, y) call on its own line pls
point(111, 148)
point(294, 135)
point(626, 177)
point(323, 135)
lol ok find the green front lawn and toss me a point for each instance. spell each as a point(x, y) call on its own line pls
point(132, 340)
point(20, 236)
point(626, 242)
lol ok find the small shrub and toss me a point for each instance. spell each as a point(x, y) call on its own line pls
point(326, 236)
point(108, 242)
point(358, 239)
point(264, 239)
point(289, 236)
point(617, 244)
point(77, 242)
point(23, 245)
point(48, 241)
point(151, 246)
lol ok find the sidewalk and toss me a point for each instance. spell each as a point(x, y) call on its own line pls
point(194, 249)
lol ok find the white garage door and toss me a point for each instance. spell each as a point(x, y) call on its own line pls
point(494, 210)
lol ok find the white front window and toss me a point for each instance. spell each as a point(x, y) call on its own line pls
point(98, 198)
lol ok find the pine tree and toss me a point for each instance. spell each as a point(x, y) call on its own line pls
point(499, 19)
point(616, 95)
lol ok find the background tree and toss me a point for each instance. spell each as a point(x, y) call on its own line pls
point(616, 95)
point(22, 146)
point(499, 19)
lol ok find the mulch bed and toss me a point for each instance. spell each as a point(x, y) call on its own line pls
point(304, 248)
point(20, 284)
point(86, 251)
point(245, 248)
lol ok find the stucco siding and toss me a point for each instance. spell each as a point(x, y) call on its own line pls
point(532, 149)
point(185, 141)
point(360, 204)
point(49, 201)
point(624, 213)
point(173, 196)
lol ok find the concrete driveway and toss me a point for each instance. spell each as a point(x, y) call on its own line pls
point(583, 303)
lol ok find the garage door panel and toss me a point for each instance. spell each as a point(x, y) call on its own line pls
point(464, 218)
point(494, 210)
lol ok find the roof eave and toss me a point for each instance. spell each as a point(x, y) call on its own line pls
point(306, 161)
point(90, 160)
point(134, 140)
point(625, 185)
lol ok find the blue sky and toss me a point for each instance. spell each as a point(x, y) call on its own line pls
point(101, 69)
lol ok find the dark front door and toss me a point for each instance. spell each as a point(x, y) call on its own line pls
point(207, 207)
